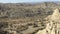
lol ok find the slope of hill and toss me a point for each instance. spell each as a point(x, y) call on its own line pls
point(24, 18)
point(26, 10)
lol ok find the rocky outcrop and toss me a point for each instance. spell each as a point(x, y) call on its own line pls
point(53, 26)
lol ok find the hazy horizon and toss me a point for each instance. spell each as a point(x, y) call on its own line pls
point(25, 1)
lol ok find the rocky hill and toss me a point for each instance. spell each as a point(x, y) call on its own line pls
point(25, 18)
point(22, 10)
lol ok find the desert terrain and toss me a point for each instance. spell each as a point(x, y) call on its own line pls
point(28, 18)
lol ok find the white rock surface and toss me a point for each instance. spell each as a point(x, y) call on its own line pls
point(52, 27)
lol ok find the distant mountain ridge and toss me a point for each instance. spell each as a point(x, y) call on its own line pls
point(18, 10)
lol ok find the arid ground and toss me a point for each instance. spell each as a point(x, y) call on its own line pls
point(27, 18)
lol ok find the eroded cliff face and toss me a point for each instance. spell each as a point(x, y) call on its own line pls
point(53, 26)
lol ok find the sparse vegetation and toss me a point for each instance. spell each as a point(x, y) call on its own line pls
point(24, 18)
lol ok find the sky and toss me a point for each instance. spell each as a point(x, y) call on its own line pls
point(22, 1)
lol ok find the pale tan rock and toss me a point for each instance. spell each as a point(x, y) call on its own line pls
point(52, 26)
point(56, 15)
point(41, 31)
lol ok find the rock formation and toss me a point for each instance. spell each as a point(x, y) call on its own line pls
point(53, 26)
